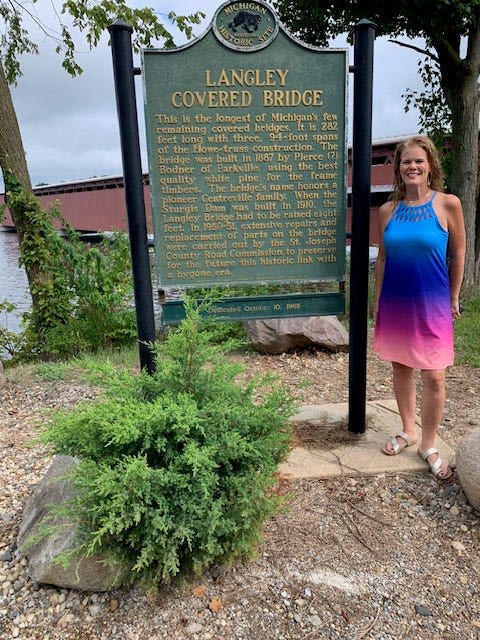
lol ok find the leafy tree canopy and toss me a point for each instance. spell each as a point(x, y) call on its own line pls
point(316, 21)
point(91, 17)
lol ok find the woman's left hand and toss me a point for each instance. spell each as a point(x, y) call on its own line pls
point(456, 311)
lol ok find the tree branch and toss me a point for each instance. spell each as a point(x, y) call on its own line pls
point(424, 52)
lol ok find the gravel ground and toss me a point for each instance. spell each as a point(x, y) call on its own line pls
point(379, 557)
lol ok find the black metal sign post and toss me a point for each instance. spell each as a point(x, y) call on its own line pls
point(361, 183)
point(124, 73)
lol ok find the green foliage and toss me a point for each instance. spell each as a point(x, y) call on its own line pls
point(101, 282)
point(82, 296)
point(229, 333)
point(99, 286)
point(91, 18)
point(315, 21)
point(41, 255)
point(52, 371)
point(177, 469)
point(232, 334)
point(9, 340)
point(435, 116)
point(467, 334)
point(15, 40)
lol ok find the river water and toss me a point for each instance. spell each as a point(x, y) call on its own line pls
point(14, 284)
point(13, 281)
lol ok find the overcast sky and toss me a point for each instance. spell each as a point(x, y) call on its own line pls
point(70, 127)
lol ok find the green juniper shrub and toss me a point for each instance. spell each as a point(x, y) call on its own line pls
point(178, 469)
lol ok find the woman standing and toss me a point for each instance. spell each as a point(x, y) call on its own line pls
point(419, 272)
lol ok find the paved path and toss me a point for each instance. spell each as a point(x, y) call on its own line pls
point(363, 455)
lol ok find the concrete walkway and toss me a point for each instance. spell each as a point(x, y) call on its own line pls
point(354, 454)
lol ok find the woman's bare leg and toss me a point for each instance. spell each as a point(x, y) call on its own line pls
point(431, 411)
point(405, 394)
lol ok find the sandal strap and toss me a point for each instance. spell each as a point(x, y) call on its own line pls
point(395, 446)
point(428, 452)
point(408, 439)
point(436, 467)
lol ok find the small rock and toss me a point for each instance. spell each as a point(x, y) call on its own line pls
point(423, 611)
point(455, 511)
point(458, 546)
point(315, 621)
point(66, 620)
point(215, 605)
point(113, 604)
point(450, 492)
point(193, 628)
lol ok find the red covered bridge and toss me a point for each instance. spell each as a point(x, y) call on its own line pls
point(98, 204)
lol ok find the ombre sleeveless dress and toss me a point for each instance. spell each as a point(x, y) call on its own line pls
point(414, 321)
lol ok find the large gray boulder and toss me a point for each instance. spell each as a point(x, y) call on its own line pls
point(281, 335)
point(468, 466)
point(94, 573)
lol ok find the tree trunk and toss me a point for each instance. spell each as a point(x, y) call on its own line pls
point(12, 153)
point(15, 171)
point(460, 85)
point(465, 113)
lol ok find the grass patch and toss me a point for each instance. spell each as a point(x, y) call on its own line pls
point(467, 334)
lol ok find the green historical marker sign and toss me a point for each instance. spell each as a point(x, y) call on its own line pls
point(246, 133)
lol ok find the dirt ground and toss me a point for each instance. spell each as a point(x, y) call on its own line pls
point(382, 557)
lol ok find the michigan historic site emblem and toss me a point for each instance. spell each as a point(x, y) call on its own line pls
point(245, 25)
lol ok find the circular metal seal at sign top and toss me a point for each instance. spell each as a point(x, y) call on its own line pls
point(245, 26)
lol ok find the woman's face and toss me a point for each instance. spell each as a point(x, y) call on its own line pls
point(414, 166)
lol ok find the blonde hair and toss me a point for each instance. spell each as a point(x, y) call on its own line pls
point(435, 178)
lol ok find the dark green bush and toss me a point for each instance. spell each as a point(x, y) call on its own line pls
point(177, 469)
point(97, 311)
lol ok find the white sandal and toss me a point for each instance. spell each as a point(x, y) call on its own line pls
point(436, 467)
point(396, 448)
